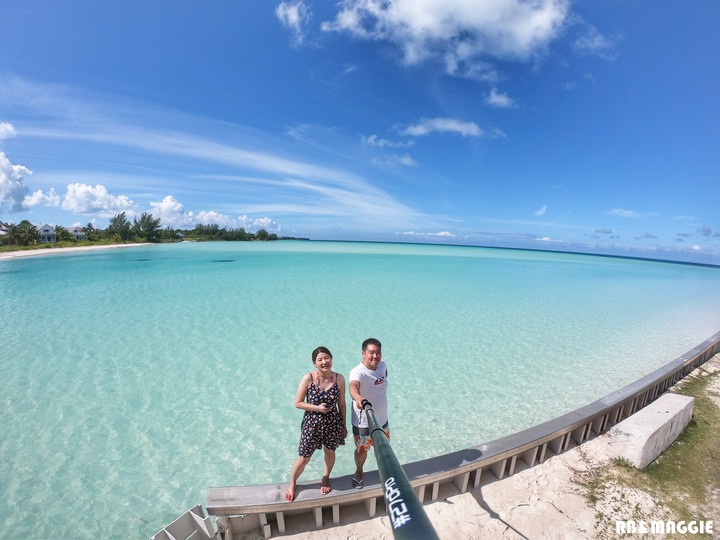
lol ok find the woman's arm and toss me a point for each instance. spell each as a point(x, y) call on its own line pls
point(301, 393)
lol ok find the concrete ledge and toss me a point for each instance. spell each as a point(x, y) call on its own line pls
point(642, 437)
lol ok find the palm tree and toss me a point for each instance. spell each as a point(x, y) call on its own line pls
point(63, 234)
point(22, 234)
point(91, 233)
point(147, 227)
point(119, 226)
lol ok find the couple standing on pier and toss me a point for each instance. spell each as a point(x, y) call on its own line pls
point(322, 396)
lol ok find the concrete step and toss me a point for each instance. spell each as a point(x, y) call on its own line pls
point(642, 437)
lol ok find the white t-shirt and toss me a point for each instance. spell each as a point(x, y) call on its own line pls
point(373, 387)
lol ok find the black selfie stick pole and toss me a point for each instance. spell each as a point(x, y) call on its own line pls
point(407, 516)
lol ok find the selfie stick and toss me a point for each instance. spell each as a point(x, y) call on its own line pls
point(408, 519)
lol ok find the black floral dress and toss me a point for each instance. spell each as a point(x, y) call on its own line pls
point(318, 429)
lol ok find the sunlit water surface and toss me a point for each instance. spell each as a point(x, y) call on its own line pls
point(133, 379)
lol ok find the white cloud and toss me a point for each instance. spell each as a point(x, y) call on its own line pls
point(168, 206)
point(216, 218)
point(7, 131)
point(620, 212)
point(593, 42)
point(172, 214)
point(248, 223)
point(445, 234)
point(497, 133)
point(254, 225)
point(373, 140)
point(294, 15)
point(12, 188)
point(405, 159)
point(395, 159)
point(39, 198)
point(501, 101)
point(460, 33)
point(86, 199)
point(541, 211)
point(443, 125)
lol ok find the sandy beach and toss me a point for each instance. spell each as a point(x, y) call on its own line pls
point(547, 501)
point(58, 251)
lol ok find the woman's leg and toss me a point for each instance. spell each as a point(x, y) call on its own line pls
point(329, 463)
point(297, 469)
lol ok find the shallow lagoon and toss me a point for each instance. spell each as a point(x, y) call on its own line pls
point(134, 379)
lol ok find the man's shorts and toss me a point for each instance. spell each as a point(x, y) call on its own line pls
point(363, 441)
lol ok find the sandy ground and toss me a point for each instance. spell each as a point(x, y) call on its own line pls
point(57, 251)
point(545, 502)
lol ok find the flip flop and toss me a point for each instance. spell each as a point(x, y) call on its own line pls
point(357, 484)
point(289, 495)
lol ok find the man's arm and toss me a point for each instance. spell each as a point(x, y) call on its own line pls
point(341, 400)
point(355, 393)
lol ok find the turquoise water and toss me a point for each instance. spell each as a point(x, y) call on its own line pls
point(133, 379)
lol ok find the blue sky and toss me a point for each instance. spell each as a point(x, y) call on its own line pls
point(548, 124)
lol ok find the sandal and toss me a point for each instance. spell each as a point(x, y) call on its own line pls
point(357, 484)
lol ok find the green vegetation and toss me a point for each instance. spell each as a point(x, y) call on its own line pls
point(684, 478)
point(22, 234)
point(121, 230)
point(682, 475)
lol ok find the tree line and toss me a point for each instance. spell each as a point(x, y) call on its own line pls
point(120, 229)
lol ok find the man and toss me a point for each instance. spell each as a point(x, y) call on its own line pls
point(368, 381)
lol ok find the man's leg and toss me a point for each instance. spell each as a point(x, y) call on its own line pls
point(360, 457)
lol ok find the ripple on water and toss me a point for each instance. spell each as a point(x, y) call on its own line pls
point(137, 378)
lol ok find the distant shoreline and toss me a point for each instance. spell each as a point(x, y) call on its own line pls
point(56, 251)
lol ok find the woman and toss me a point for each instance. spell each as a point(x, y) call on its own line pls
point(321, 394)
